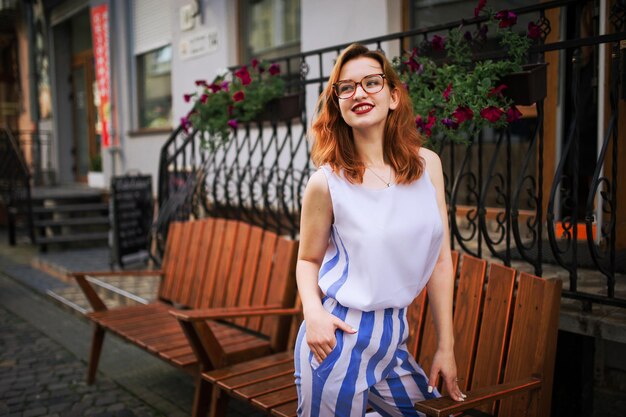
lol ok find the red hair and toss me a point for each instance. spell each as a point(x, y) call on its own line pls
point(333, 140)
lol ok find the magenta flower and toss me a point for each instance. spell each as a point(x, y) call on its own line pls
point(274, 69)
point(497, 90)
point(437, 43)
point(534, 31)
point(185, 124)
point(204, 98)
point(506, 18)
point(230, 109)
point(447, 92)
point(243, 74)
point(481, 5)
point(232, 123)
point(513, 114)
point(225, 85)
point(200, 83)
point(491, 114)
point(187, 97)
point(215, 88)
point(449, 123)
point(426, 126)
point(462, 113)
point(254, 62)
point(238, 96)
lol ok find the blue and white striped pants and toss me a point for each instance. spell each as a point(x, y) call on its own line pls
point(371, 367)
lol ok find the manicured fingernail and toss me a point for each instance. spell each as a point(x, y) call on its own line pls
point(430, 389)
point(463, 395)
point(353, 329)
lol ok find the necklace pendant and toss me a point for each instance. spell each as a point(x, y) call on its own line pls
point(388, 184)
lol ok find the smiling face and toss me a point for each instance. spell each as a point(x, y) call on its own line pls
point(365, 110)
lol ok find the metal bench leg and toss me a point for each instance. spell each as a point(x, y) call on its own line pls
point(94, 356)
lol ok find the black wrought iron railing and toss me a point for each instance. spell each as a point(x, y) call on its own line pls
point(15, 191)
point(36, 146)
point(504, 199)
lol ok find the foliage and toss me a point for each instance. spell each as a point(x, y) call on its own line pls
point(453, 95)
point(231, 99)
point(95, 163)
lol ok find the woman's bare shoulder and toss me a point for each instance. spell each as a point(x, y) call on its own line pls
point(431, 159)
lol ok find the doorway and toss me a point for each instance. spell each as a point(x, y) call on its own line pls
point(86, 146)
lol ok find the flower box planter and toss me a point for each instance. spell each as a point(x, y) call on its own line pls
point(283, 108)
point(528, 86)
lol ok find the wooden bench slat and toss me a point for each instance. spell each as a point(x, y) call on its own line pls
point(200, 272)
point(260, 363)
point(289, 409)
point(278, 381)
point(187, 280)
point(232, 239)
point(249, 270)
point(261, 283)
point(491, 348)
point(275, 398)
point(467, 306)
point(209, 280)
point(170, 258)
point(254, 377)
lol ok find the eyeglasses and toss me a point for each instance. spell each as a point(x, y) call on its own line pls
point(371, 84)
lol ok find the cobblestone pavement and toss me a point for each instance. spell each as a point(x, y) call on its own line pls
point(39, 377)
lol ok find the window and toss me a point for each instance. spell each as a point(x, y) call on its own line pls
point(154, 80)
point(153, 62)
point(270, 28)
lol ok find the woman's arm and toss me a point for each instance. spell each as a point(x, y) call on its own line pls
point(315, 224)
point(441, 290)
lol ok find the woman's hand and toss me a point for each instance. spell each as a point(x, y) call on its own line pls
point(320, 332)
point(445, 364)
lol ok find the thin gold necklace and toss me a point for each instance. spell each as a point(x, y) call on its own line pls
point(387, 183)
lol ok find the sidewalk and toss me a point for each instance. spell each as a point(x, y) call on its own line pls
point(44, 349)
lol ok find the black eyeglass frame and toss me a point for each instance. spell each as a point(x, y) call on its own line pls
point(356, 84)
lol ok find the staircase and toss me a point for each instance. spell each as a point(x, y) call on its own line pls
point(73, 215)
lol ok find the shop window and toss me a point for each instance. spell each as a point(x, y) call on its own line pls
point(269, 28)
point(154, 81)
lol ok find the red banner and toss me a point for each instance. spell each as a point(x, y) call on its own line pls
point(100, 38)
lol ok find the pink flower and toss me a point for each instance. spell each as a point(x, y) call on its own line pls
point(254, 62)
point(232, 123)
point(274, 69)
point(414, 66)
point(462, 113)
point(437, 43)
point(187, 97)
point(447, 91)
point(497, 90)
point(204, 98)
point(479, 7)
point(513, 114)
point(491, 114)
point(449, 123)
point(215, 88)
point(225, 85)
point(534, 31)
point(506, 18)
point(243, 74)
point(238, 96)
point(201, 83)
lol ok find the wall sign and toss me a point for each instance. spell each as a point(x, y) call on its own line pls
point(198, 44)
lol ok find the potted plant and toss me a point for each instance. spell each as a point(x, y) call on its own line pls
point(456, 96)
point(95, 176)
point(251, 93)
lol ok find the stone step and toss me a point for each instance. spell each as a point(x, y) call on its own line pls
point(73, 221)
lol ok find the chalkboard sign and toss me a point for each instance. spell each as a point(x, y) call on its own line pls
point(133, 207)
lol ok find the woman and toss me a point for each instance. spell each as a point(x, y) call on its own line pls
point(373, 234)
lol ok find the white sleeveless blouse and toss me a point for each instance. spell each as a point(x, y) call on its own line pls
point(384, 243)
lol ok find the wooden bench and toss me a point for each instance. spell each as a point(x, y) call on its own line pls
point(505, 344)
point(209, 263)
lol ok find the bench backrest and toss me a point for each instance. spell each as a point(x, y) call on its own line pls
point(213, 263)
point(501, 335)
